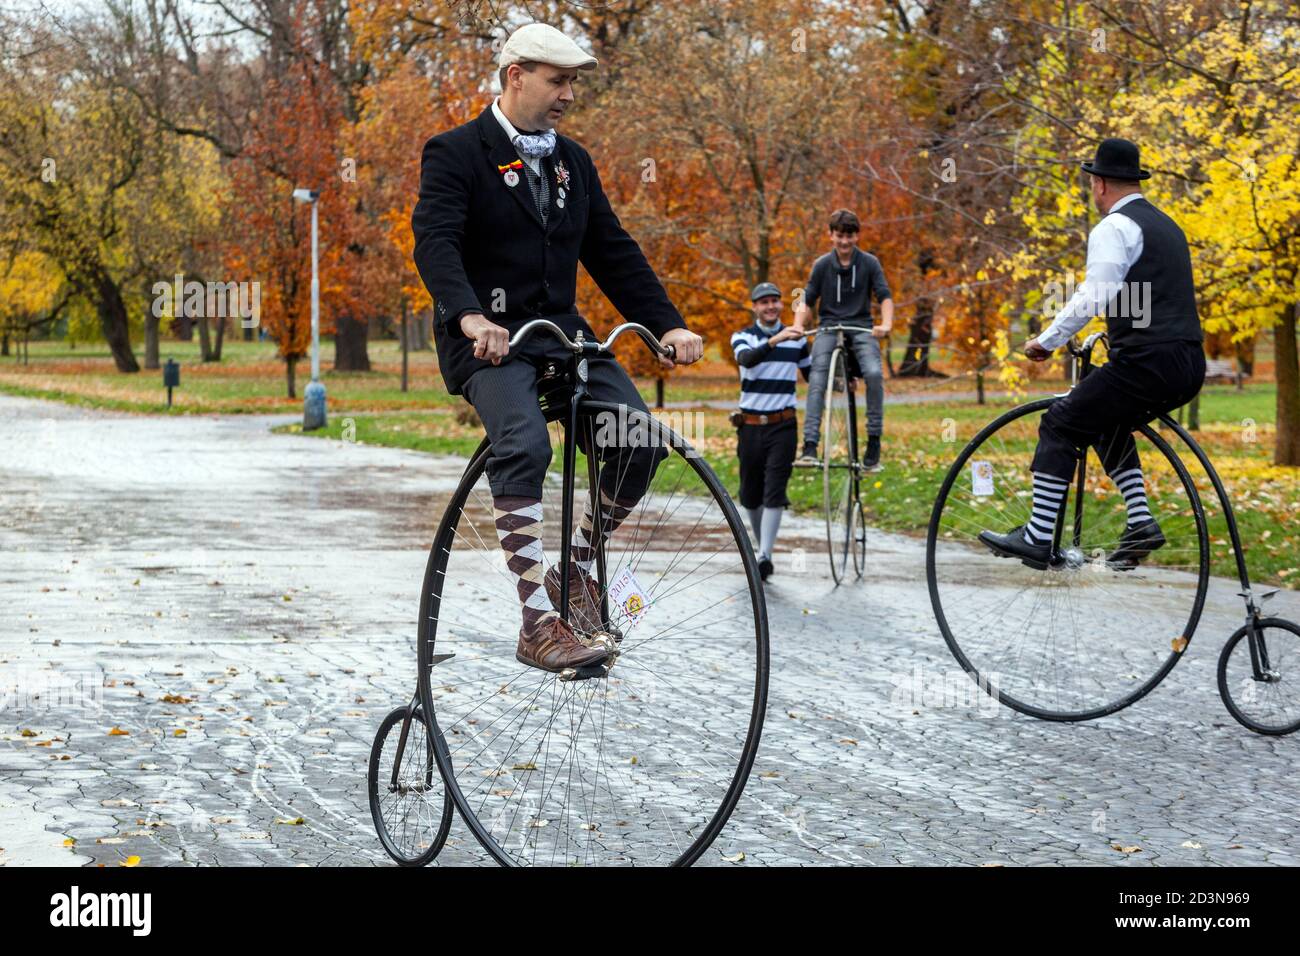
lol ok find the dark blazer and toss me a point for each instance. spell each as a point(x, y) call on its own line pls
point(480, 246)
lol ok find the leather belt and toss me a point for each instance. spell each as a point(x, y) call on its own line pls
point(771, 418)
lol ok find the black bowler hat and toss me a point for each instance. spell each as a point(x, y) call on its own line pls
point(1116, 159)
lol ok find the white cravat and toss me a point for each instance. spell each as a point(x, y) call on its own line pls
point(534, 162)
point(1114, 245)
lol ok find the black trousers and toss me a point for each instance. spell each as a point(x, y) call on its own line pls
point(505, 397)
point(1133, 387)
point(766, 459)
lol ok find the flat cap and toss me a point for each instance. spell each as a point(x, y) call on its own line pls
point(542, 43)
point(764, 289)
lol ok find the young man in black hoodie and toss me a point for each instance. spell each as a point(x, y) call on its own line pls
point(841, 287)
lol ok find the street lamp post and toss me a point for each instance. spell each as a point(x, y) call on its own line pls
point(313, 407)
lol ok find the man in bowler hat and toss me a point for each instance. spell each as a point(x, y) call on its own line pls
point(507, 209)
point(1139, 275)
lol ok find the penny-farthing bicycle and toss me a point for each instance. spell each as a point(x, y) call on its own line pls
point(1089, 635)
point(841, 466)
point(639, 760)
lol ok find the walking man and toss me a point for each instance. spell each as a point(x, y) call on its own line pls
point(841, 287)
point(1139, 275)
point(507, 209)
point(768, 354)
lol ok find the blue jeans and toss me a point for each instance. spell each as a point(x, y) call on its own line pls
point(867, 349)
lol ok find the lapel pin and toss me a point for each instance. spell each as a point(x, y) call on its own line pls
point(561, 173)
point(509, 172)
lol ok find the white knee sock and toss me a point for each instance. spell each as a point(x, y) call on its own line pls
point(771, 525)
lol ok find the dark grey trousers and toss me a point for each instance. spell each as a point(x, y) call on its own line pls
point(505, 397)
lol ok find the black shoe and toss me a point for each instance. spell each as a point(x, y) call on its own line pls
point(809, 454)
point(1135, 544)
point(765, 568)
point(1014, 545)
point(871, 457)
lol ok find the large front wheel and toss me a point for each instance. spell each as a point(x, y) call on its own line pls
point(839, 464)
point(1082, 638)
point(639, 765)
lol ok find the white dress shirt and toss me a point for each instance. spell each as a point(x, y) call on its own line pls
point(1114, 245)
point(534, 162)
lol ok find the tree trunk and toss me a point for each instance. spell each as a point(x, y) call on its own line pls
point(659, 392)
point(920, 332)
point(1288, 390)
point(113, 323)
point(979, 388)
point(205, 338)
point(1194, 413)
point(289, 364)
point(406, 347)
point(221, 338)
point(248, 333)
point(350, 353)
point(150, 339)
point(183, 325)
point(426, 331)
point(4, 344)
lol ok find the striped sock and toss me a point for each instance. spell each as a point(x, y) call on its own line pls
point(1133, 489)
point(1049, 493)
point(585, 540)
point(519, 528)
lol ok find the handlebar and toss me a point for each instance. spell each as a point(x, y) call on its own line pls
point(1086, 348)
point(580, 344)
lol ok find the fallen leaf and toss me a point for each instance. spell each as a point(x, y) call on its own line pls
point(735, 857)
point(525, 766)
point(1190, 845)
point(178, 732)
point(1125, 849)
point(291, 821)
point(28, 732)
point(1178, 644)
point(70, 841)
point(130, 861)
point(119, 732)
point(176, 699)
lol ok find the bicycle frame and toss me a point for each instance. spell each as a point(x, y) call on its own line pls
point(1258, 652)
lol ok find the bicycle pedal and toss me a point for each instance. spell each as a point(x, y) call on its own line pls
point(582, 673)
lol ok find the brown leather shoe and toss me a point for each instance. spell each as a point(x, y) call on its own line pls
point(552, 646)
point(584, 601)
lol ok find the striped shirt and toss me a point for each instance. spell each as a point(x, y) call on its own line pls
point(768, 385)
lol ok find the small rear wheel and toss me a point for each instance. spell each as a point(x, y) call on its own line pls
point(1263, 695)
point(408, 802)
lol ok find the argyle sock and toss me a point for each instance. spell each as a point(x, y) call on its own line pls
point(519, 528)
point(1049, 493)
point(585, 538)
point(1132, 487)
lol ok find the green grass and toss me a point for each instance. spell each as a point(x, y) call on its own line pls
point(922, 441)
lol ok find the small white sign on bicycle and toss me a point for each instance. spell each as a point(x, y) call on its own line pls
point(981, 476)
point(627, 595)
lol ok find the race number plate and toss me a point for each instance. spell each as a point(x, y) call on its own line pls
point(981, 476)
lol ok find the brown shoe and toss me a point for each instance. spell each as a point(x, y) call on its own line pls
point(584, 601)
point(552, 646)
